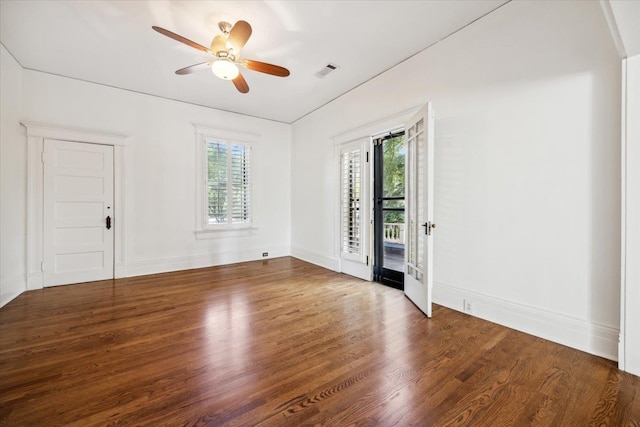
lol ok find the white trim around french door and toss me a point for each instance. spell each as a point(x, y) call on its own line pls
point(359, 264)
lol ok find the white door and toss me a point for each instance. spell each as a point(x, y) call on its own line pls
point(354, 209)
point(78, 212)
point(418, 276)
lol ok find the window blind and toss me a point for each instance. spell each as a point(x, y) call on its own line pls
point(228, 183)
point(351, 199)
point(240, 172)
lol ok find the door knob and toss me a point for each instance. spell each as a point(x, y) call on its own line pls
point(427, 227)
point(108, 223)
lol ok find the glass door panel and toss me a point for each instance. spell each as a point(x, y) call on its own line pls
point(389, 209)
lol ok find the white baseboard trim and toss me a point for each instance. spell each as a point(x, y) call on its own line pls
point(164, 265)
point(330, 263)
point(120, 270)
point(35, 281)
point(576, 333)
point(622, 365)
point(11, 288)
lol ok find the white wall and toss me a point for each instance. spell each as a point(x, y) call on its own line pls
point(527, 103)
point(159, 169)
point(12, 181)
point(631, 225)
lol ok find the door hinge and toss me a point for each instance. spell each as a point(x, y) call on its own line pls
point(42, 267)
point(367, 157)
point(367, 259)
point(42, 156)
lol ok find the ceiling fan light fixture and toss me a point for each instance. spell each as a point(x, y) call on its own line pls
point(225, 49)
point(225, 69)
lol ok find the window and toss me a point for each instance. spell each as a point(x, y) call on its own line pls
point(224, 183)
point(228, 183)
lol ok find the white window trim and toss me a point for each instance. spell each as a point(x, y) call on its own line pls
point(203, 230)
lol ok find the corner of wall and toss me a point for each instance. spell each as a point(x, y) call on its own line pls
point(327, 262)
point(12, 181)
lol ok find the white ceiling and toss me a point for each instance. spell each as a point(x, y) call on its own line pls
point(112, 43)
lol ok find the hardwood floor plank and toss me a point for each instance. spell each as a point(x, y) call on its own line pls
point(284, 343)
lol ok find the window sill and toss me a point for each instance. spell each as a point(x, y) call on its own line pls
point(225, 232)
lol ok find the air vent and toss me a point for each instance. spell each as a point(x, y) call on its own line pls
point(326, 70)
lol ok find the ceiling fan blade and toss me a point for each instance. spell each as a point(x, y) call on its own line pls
point(238, 36)
point(241, 84)
point(180, 39)
point(263, 67)
point(193, 68)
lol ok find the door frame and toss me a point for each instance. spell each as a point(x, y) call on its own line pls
point(35, 134)
point(629, 341)
point(386, 124)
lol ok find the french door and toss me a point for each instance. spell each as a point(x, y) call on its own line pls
point(418, 276)
point(354, 209)
point(389, 209)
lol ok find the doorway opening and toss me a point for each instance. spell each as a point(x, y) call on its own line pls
point(389, 234)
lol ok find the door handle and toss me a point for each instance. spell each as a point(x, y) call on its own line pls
point(108, 223)
point(428, 226)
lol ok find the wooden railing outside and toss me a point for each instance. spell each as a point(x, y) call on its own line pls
point(394, 233)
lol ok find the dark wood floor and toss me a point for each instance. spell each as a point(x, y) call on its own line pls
point(283, 342)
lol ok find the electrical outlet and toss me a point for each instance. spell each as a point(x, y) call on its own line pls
point(467, 306)
point(265, 254)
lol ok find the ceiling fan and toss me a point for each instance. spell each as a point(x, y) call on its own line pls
point(226, 48)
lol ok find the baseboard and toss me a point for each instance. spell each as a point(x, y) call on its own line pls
point(622, 362)
point(120, 270)
point(330, 263)
point(16, 286)
point(576, 333)
point(164, 265)
point(35, 281)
